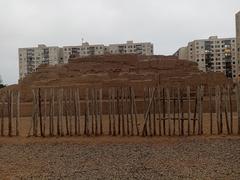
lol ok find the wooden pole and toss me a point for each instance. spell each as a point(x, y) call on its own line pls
point(92, 109)
point(135, 113)
point(70, 110)
point(3, 114)
point(100, 111)
point(230, 108)
point(182, 115)
point(18, 113)
point(195, 112)
point(217, 108)
point(122, 110)
point(131, 106)
point(10, 113)
point(127, 108)
point(169, 111)
point(66, 111)
point(58, 111)
point(174, 113)
point(79, 112)
point(114, 111)
point(221, 109)
point(201, 107)
point(96, 111)
point(86, 131)
point(50, 111)
point(159, 112)
point(210, 109)
point(61, 114)
point(75, 112)
point(226, 109)
point(164, 112)
point(147, 114)
point(199, 110)
point(40, 111)
point(45, 111)
point(35, 112)
point(118, 112)
point(145, 107)
point(189, 109)
point(110, 111)
point(154, 116)
point(179, 112)
point(33, 115)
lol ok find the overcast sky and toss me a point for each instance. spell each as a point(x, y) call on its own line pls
point(169, 24)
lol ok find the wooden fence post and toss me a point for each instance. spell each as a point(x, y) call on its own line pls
point(159, 112)
point(210, 109)
point(179, 112)
point(164, 112)
point(226, 110)
point(40, 111)
point(230, 108)
point(110, 111)
point(189, 108)
point(131, 107)
point(17, 113)
point(86, 130)
point(135, 113)
point(114, 110)
point(3, 114)
point(100, 111)
point(174, 113)
point(147, 114)
point(168, 111)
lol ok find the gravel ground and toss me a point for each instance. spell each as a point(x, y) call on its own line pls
point(185, 158)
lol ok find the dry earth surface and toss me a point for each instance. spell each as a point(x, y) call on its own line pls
point(120, 158)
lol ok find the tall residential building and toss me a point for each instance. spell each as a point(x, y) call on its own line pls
point(87, 50)
point(238, 41)
point(213, 54)
point(182, 53)
point(131, 48)
point(31, 58)
point(84, 50)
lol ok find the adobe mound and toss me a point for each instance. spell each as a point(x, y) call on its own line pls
point(120, 70)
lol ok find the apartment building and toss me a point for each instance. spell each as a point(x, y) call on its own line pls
point(31, 58)
point(131, 48)
point(83, 50)
point(238, 40)
point(213, 54)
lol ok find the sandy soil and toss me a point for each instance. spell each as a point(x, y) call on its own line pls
point(120, 158)
point(107, 157)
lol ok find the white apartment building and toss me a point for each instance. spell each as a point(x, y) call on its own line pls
point(213, 54)
point(238, 41)
point(84, 50)
point(131, 48)
point(31, 58)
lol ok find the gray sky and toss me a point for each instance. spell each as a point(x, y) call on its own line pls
point(169, 24)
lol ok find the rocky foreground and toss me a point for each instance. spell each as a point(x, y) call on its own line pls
point(181, 158)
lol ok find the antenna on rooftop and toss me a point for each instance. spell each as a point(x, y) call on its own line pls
point(82, 40)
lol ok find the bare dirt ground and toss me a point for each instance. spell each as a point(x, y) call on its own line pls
point(194, 157)
point(120, 158)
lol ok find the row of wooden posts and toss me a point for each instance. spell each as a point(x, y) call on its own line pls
point(118, 111)
point(9, 113)
point(60, 112)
